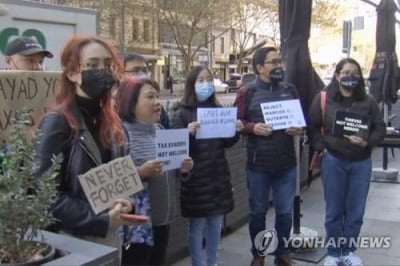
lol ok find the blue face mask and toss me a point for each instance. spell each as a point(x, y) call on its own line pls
point(204, 90)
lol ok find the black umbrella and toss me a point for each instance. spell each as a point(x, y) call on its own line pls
point(295, 24)
point(385, 75)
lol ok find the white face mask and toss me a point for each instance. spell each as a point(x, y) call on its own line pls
point(141, 75)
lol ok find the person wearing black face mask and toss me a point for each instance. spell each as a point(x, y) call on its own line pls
point(86, 130)
point(271, 159)
point(346, 155)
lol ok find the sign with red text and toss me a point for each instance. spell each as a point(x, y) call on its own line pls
point(108, 182)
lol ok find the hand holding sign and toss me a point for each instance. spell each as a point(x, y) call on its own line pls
point(262, 129)
point(294, 131)
point(356, 140)
point(193, 126)
point(151, 168)
point(239, 125)
point(187, 165)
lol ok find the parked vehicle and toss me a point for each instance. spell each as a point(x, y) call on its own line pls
point(233, 82)
point(247, 78)
point(220, 87)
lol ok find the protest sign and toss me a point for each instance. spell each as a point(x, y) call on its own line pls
point(347, 123)
point(172, 146)
point(283, 114)
point(216, 122)
point(107, 182)
point(32, 90)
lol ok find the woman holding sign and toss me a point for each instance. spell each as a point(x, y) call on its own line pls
point(345, 135)
point(140, 109)
point(86, 130)
point(207, 194)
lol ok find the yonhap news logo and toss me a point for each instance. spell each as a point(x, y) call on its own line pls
point(340, 242)
point(266, 242)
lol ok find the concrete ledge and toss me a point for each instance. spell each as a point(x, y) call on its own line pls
point(389, 174)
point(80, 252)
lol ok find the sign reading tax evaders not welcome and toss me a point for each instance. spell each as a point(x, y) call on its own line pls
point(172, 146)
point(283, 114)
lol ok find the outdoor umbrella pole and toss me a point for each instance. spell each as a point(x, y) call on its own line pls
point(297, 200)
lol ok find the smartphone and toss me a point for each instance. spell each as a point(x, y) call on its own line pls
point(134, 218)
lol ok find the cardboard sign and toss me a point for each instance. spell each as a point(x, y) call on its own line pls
point(34, 90)
point(107, 182)
point(216, 122)
point(172, 146)
point(283, 114)
point(347, 123)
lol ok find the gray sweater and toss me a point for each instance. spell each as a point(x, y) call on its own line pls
point(142, 147)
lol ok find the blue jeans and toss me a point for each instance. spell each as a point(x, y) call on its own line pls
point(213, 225)
point(346, 186)
point(284, 188)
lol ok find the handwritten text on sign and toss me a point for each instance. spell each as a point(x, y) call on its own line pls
point(283, 114)
point(32, 90)
point(172, 146)
point(107, 182)
point(216, 122)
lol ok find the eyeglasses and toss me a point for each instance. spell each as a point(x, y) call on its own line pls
point(349, 73)
point(98, 65)
point(136, 70)
point(275, 61)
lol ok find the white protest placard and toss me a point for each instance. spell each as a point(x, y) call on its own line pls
point(107, 182)
point(34, 90)
point(172, 146)
point(283, 114)
point(216, 122)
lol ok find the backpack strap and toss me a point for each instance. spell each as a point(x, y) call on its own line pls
point(249, 95)
point(323, 109)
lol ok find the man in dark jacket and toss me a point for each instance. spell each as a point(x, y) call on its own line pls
point(271, 159)
point(136, 65)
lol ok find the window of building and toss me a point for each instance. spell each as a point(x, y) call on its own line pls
point(146, 30)
point(135, 29)
point(222, 45)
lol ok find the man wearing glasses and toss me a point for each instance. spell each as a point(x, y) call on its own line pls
point(135, 65)
point(24, 53)
point(271, 159)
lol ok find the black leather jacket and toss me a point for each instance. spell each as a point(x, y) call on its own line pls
point(80, 153)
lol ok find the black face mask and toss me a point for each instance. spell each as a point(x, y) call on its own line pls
point(96, 83)
point(276, 75)
point(350, 82)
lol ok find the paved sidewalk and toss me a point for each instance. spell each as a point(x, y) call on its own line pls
point(382, 218)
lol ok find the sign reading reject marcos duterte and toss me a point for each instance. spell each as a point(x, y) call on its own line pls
point(33, 91)
point(283, 114)
point(108, 182)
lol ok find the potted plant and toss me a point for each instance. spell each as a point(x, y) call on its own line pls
point(24, 200)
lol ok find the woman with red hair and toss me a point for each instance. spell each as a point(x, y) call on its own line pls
point(86, 130)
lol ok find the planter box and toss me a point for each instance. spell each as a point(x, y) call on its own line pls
point(72, 251)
